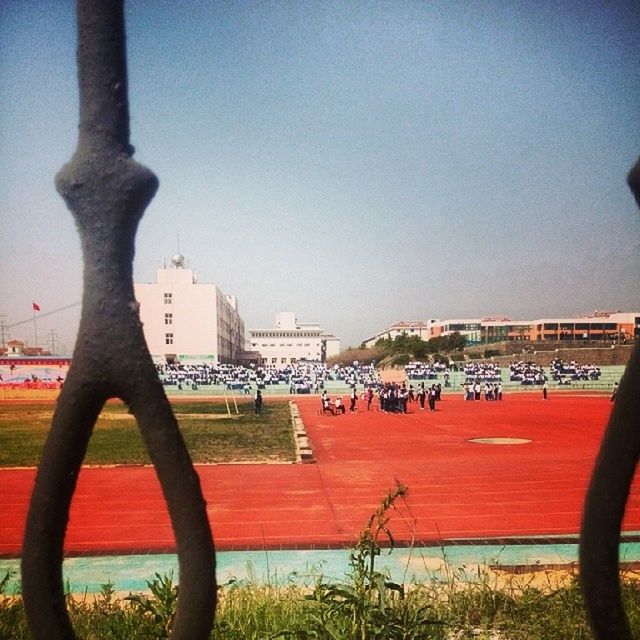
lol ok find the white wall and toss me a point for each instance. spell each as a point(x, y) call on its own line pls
point(204, 322)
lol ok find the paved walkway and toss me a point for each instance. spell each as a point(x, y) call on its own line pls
point(458, 489)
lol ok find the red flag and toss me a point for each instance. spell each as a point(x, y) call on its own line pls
point(36, 306)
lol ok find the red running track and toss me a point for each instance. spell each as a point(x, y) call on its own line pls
point(457, 489)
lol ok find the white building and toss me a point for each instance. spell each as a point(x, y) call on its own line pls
point(292, 341)
point(186, 321)
point(424, 331)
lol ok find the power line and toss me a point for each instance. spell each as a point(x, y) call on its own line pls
point(42, 315)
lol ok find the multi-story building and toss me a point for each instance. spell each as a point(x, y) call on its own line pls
point(612, 326)
point(424, 331)
point(292, 341)
point(602, 325)
point(188, 321)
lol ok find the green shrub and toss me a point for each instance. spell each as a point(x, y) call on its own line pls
point(400, 360)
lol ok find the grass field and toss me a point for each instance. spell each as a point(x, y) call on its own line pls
point(210, 433)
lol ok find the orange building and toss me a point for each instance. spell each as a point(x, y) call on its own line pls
point(601, 326)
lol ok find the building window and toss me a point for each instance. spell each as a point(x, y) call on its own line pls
point(168, 298)
point(168, 338)
point(168, 318)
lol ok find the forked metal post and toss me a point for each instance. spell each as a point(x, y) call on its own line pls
point(107, 192)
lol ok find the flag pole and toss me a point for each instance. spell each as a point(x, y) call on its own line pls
point(35, 307)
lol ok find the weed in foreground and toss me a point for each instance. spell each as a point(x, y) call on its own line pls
point(368, 606)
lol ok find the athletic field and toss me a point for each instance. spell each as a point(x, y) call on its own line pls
point(481, 471)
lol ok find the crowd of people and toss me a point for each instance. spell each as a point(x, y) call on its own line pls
point(307, 377)
point(425, 370)
point(312, 377)
point(526, 373)
point(563, 372)
point(231, 376)
point(481, 378)
point(482, 371)
point(476, 391)
point(389, 397)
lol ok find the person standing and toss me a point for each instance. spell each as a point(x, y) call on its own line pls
point(403, 399)
point(432, 398)
point(422, 395)
point(614, 392)
point(257, 404)
point(369, 398)
point(353, 399)
point(545, 390)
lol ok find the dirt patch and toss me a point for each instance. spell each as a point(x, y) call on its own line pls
point(393, 375)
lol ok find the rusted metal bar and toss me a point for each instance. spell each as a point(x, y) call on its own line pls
point(107, 192)
point(633, 179)
point(607, 497)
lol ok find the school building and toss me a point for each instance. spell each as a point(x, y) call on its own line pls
point(601, 326)
point(293, 341)
point(188, 321)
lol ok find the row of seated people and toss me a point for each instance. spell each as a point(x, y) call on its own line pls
point(232, 376)
point(301, 378)
point(364, 374)
point(482, 372)
point(526, 373)
point(561, 371)
point(425, 370)
point(307, 378)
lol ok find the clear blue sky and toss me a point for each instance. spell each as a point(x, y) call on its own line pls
point(356, 162)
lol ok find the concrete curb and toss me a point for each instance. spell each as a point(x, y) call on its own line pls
point(304, 452)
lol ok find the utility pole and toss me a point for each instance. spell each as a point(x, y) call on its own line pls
point(2, 328)
point(52, 337)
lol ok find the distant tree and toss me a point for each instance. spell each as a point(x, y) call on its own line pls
point(439, 357)
point(412, 346)
point(384, 345)
point(456, 342)
point(446, 344)
point(417, 347)
point(400, 359)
